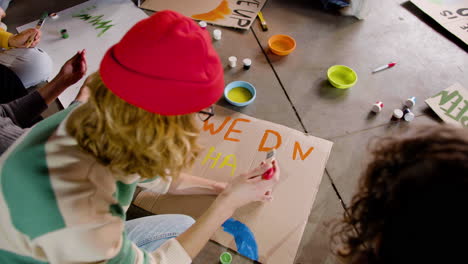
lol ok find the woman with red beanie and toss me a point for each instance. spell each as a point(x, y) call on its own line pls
point(66, 183)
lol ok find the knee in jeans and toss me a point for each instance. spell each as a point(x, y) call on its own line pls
point(40, 60)
point(35, 66)
point(184, 222)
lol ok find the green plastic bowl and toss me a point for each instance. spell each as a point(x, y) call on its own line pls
point(341, 76)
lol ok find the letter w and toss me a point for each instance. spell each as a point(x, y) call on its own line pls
point(211, 128)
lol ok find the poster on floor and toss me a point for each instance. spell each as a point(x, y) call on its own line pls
point(94, 25)
point(451, 14)
point(451, 105)
point(229, 13)
point(235, 143)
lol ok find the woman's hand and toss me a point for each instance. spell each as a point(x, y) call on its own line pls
point(21, 40)
point(250, 187)
point(73, 70)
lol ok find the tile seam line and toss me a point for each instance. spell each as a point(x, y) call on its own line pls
point(336, 190)
point(345, 208)
point(364, 130)
point(280, 82)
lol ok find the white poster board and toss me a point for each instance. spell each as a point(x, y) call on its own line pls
point(94, 25)
point(451, 14)
point(451, 105)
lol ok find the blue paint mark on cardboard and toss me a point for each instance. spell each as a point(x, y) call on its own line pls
point(245, 239)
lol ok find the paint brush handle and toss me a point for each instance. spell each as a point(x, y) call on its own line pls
point(30, 40)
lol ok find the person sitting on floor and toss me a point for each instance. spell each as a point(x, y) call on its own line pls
point(411, 202)
point(31, 64)
point(20, 110)
point(141, 123)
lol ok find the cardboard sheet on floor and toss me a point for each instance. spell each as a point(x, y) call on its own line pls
point(94, 25)
point(235, 143)
point(451, 14)
point(230, 13)
point(451, 105)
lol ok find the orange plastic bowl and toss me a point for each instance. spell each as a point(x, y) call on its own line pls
point(281, 44)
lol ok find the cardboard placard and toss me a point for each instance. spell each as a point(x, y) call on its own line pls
point(235, 143)
point(94, 25)
point(451, 105)
point(451, 14)
point(229, 13)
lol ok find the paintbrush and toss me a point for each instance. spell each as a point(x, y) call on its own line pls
point(262, 21)
point(38, 26)
point(267, 175)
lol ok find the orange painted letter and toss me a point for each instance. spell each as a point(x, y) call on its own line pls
point(210, 127)
point(231, 129)
point(262, 147)
point(297, 148)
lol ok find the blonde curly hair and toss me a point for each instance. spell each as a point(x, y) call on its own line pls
point(131, 140)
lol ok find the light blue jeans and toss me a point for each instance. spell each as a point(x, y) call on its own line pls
point(150, 232)
point(32, 66)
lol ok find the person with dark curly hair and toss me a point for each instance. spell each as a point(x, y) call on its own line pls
point(411, 203)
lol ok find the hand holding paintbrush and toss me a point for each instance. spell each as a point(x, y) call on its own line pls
point(28, 38)
point(33, 38)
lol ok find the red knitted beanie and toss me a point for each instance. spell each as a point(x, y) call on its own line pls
point(165, 64)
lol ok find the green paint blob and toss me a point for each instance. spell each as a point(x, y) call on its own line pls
point(239, 95)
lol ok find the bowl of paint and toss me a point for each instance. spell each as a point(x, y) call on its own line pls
point(240, 93)
point(281, 44)
point(341, 76)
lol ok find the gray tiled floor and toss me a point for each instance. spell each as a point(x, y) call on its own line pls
point(350, 154)
point(269, 93)
point(428, 62)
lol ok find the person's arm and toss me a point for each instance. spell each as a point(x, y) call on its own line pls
point(187, 184)
point(21, 111)
point(28, 107)
point(9, 133)
point(70, 73)
point(244, 189)
point(20, 40)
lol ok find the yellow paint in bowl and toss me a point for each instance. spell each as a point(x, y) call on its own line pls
point(239, 95)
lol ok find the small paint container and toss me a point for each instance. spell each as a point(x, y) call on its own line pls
point(377, 107)
point(232, 61)
point(225, 258)
point(54, 15)
point(202, 24)
point(341, 77)
point(410, 102)
point(408, 115)
point(397, 113)
point(217, 34)
point(64, 33)
point(281, 44)
point(240, 93)
point(247, 63)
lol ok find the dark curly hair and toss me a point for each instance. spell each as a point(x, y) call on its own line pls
point(412, 200)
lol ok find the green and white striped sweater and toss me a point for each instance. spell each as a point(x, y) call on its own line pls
point(59, 205)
